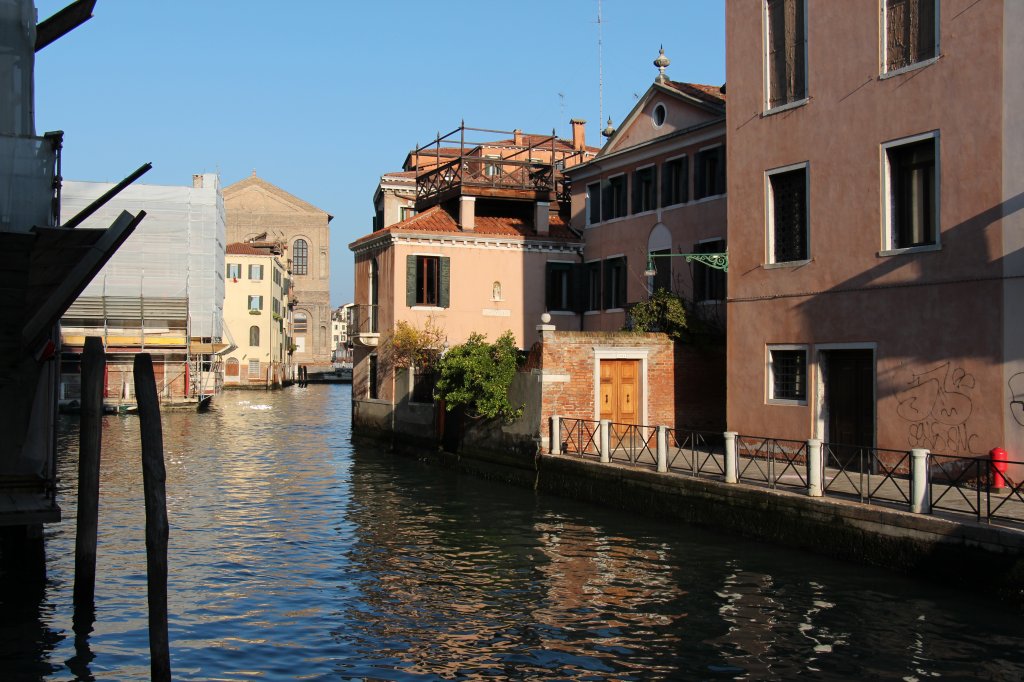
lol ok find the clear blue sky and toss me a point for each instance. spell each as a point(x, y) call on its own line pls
point(321, 97)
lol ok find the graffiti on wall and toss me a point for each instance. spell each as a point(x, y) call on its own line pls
point(1017, 397)
point(937, 404)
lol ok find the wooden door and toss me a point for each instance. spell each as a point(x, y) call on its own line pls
point(850, 400)
point(620, 391)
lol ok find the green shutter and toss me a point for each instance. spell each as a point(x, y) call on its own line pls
point(410, 281)
point(446, 276)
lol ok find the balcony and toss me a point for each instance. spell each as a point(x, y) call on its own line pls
point(362, 325)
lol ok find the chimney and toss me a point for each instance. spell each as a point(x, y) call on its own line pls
point(517, 137)
point(542, 218)
point(197, 181)
point(467, 213)
point(579, 134)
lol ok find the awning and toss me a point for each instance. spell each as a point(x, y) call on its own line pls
point(197, 348)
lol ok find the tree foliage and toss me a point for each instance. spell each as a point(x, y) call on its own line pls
point(477, 376)
point(411, 346)
point(662, 312)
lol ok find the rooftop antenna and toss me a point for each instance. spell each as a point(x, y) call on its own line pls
point(600, 65)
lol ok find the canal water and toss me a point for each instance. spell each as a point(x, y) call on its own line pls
point(298, 554)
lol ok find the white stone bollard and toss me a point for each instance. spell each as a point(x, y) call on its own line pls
point(814, 468)
point(662, 449)
point(920, 490)
point(731, 462)
point(555, 447)
point(606, 440)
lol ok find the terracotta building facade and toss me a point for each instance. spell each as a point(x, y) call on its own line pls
point(876, 223)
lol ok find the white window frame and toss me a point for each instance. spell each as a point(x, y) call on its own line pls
point(883, 43)
point(886, 198)
point(769, 373)
point(254, 364)
point(256, 267)
point(769, 215)
point(237, 269)
point(766, 108)
point(258, 299)
point(654, 116)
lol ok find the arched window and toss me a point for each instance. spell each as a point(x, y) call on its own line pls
point(300, 323)
point(300, 257)
point(254, 335)
point(323, 338)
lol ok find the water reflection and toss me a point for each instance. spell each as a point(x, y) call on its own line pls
point(296, 554)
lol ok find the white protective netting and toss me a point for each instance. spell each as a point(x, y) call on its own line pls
point(176, 251)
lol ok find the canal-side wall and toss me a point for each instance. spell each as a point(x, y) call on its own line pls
point(977, 557)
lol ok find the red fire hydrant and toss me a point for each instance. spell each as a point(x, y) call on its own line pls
point(999, 467)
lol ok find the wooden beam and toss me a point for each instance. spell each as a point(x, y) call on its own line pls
point(63, 22)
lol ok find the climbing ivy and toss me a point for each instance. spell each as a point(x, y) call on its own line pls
point(476, 375)
point(662, 312)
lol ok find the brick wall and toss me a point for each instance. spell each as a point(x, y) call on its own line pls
point(567, 366)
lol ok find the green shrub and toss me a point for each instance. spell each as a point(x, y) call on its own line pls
point(476, 375)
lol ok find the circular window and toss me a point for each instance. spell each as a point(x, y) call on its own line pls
point(658, 115)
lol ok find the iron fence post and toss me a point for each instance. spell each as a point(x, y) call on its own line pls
point(814, 468)
point(920, 497)
point(555, 446)
point(730, 457)
point(606, 455)
point(662, 449)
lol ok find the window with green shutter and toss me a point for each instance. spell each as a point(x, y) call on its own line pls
point(427, 281)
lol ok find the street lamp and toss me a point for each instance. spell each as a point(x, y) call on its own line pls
point(718, 261)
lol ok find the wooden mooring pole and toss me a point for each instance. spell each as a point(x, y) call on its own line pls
point(90, 431)
point(154, 477)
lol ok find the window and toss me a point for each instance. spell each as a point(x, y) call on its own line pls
point(300, 323)
point(615, 283)
point(234, 270)
point(613, 198)
point(594, 285)
point(708, 282)
point(491, 169)
point(254, 369)
point(913, 192)
point(787, 374)
point(559, 291)
point(786, 52)
point(911, 34)
point(277, 276)
point(256, 272)
point(427, 281)
point(255, 303)
point(275, 306)
point(658, 115)
point(423, 384)
point(254, 335)
point(662, 271)
point(407, 212)
point(787, 215)
point(300, 257)
point(593, 203)
point(709, 169)
point(675, 181)
point(643, 189)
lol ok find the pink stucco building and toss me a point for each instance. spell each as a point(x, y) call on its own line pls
point(875, 196)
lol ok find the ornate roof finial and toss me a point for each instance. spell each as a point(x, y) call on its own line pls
point(610, 130)
point(662, 63)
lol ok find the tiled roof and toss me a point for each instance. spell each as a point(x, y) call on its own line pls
point(241, 249)
point(437, 220)
point(540, 141)
point(706, 93)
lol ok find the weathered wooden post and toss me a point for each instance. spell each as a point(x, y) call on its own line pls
point(731, 460)
point(920, 490)
point(89, 439)
point(814, 468)
point(153, 479)
point(606, 440)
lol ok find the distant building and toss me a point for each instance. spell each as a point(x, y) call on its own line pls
point(261, 212)
point(256, 314)
point(162, 293)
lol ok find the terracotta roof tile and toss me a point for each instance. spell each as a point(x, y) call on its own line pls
point(437, 220)
point(242, 249)
point(707, 93)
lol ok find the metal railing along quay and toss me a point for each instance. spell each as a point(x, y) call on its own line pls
point(918, 480)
